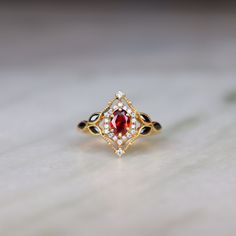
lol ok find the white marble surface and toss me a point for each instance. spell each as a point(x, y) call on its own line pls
point(57, 67)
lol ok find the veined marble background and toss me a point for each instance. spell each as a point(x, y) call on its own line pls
point(58, 66)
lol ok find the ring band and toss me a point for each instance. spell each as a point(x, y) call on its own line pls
point(120, 124)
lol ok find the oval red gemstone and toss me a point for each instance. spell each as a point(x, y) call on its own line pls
point(120, 122)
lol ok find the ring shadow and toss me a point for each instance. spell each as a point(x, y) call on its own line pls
point(141, 146)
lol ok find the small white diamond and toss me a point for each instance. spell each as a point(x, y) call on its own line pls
point(120, 94)
point(125, 108)
point(133, 120)
point(129, 135)
point(110, 135)
point(115, 138)
point(133, 131)
point(129, 111)
point(110, 111)
point(119, 142)
point(133, 126)
point(119, 152)
point(133, 115)
point(106, 126)
point(124, 138)
point(106, 131)
point(115, 107)
point(120, 104)
point(106, 120)
point(106, 114)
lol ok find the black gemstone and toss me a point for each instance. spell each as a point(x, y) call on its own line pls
point(93, 117)
point(157, 125)
point(145, 118)
point(145, 130)
point(82, 124)
point(94, 129)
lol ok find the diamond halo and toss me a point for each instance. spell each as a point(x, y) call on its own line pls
point(119, 124)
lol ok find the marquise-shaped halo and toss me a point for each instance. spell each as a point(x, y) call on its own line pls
point(119, 126)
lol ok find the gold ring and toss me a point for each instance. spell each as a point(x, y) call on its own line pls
point(120, 124)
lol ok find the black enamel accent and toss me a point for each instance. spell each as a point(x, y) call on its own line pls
point(93, 117)
point(94, 129)
point(157, 125)
point(82, 124)
point(145, 130)
point(145, 118)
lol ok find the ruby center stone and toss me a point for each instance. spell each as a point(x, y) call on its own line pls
point(120, 122)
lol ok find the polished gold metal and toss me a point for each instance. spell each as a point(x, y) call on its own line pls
point(96, 125)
